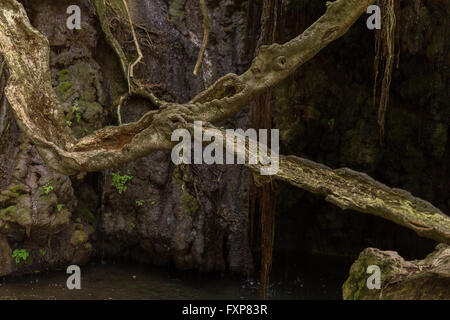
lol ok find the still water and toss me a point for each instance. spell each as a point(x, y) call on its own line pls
point(310, 278)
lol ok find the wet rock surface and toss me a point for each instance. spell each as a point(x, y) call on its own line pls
point(187, 217)
point(190, 217)
point(326, 113)
point(35, 217)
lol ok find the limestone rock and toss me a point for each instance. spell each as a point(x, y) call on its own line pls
point(401, 280)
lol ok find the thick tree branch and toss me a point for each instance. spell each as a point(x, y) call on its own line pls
point(40, 117)
point(357, 191)
point(349, 189)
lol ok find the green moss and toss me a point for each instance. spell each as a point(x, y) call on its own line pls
point(8, 213)
point(18, 189)
point(83, 70)
point(63, 75)
point(45, 200)
point(177, 13)
point(87, 215)
point(64, 87)
point(355, 287)
point(78, 237)
point(10, 194)
point(4, 200)
point(190, 203)
point(81, 92)
point(177, 175)
point(87, 96)
point(16, 214)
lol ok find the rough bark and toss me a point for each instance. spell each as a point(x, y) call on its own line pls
point(38, 113)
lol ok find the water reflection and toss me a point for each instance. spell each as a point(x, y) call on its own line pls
point(305, 278)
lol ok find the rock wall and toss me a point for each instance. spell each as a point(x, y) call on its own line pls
point(194, 217)
point(325, 112)
point(189, 217)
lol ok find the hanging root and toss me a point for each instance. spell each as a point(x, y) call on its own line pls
point(267, 202)
point(136, 43)
point(384, 58)
point(262, 200)
point(206, 33)
point(119, 104)
point(135, 88)
point(2, 66)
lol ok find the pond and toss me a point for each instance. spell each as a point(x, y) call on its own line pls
point(308, 277)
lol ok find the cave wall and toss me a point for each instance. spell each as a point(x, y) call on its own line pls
point(185, 217)
point(194, 216)
point(325, 112)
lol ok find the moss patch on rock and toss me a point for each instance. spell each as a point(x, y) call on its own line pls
point(418, 279)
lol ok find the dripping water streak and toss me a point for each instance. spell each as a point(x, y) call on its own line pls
point(3, 108)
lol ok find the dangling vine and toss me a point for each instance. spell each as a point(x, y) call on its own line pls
point(385, 40)
point(135, 87)
point(262, 198)
point(206, 32)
